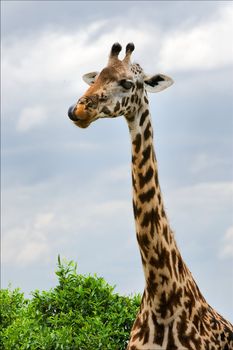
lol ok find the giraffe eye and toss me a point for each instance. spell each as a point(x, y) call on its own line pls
point(126, 84)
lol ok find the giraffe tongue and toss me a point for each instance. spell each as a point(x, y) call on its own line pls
point(71, 113)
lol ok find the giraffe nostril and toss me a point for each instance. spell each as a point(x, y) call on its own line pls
point(82, 101)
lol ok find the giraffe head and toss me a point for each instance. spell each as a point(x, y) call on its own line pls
point(117, 90)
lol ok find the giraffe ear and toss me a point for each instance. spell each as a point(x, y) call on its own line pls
point(158, 82)
point(89, 78)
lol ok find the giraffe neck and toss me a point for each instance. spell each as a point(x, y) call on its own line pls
point(173, 313)
point(164, 269)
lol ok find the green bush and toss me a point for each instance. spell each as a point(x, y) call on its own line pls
point(81, 312)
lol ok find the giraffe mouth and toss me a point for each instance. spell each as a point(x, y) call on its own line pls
point(81, 123)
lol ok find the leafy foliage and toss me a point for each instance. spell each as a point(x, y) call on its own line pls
point(80, 313)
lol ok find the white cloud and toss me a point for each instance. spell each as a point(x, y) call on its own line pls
point(116, 174)
point(32, 252)
point(205, 46)
point(51, 56)
point(200, 211)
point(81, 146)
point(49, 66)
point(210, 195)
point(56, 56)
point(43, 220)
point(31, 117)
point(108, 209)
point(60, 56)
point(71, 213)
point(42, 74)
point(28, 242)
point(202, 162)
point(227, 247)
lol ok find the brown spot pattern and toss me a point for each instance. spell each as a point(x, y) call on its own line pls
point(147, 196)
point(144, 179)
point(137, 143)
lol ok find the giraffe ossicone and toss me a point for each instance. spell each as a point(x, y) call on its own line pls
point(173, 314)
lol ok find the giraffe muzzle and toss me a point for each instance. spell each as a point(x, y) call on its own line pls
point(78, 112)
point(84, 111)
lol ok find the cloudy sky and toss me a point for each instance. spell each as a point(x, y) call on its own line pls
point(67, 191)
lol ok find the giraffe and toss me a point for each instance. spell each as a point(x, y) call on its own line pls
point(173, 314)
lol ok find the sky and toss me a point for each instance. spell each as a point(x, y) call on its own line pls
point(67, 190)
